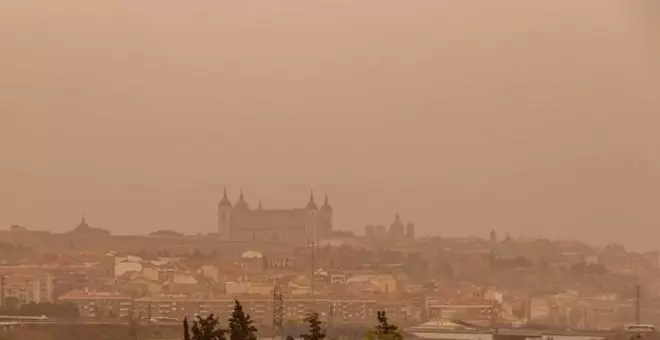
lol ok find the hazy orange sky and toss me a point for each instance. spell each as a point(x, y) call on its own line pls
point(540, 118)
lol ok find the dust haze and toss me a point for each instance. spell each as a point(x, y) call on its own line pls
point(537, 118)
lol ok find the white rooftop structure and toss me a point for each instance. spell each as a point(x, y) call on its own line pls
point(252, 254)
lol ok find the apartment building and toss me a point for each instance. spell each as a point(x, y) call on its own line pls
point(99, 305)
point(27, 287)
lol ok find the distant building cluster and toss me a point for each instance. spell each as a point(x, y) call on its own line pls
point(24, 285)
point(396, 233)
point(239, 223)
point(346, 278)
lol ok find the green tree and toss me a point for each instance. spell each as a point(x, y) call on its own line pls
point(240, 324)
point(315, 331)
point(384, 330)
point(186, 329)
point(204, 329)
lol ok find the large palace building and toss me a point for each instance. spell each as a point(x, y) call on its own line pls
point(239, 223)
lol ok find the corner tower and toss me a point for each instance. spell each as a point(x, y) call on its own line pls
point(312, 210)
point(325, 218)
point(224, 218)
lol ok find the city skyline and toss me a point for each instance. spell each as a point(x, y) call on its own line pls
point(330, 169)
point(533, 118)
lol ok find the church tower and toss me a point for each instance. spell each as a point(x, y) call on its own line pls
point(224, 218)
point(410, 231)
point(311, 223)
point(325, 219)
point(493, 236)
point(397, 230)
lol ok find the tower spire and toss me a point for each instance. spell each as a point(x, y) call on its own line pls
point(241, 204)
point(83, 221)
point(326, 203)
point(311, 204)
point(224, 202)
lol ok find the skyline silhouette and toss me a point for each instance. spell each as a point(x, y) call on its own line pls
point(534, 118)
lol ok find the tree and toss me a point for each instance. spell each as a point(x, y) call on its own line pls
point(186, 329)
point(315, 330)
point(240, 324)
point(384, 331)
point(144, 254)
point(132, 324)
point(204, 329)
point(196, 254)
point(11, 303)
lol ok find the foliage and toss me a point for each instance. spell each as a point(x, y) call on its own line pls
point(186, 329)
point(315, 331)
point(589, 269)
point(204, 329)
point(384, 330)
point(289, 337)
point(196, 254)
point(509, 263)
point(11, 303)
point(240, 324)
point(371, 335)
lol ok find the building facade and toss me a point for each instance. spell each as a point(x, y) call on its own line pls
point(239, 223)
point(99, 305)
point(27, 286)
point(260, 310)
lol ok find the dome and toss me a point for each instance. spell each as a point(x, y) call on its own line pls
point(241, 204)
point(397, 228)
point(84, 228)
point(83, 224)
point(311, 205)
point(326, 206)
point(397, 222)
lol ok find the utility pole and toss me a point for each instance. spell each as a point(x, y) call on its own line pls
point(311, 247)
point(132, 320)
point(2, 291)
point(278, 311)
point(312, 283)
point(638, 314)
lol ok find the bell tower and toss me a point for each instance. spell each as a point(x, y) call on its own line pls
point(312, 209)
point(325, 218)
point(224, 218)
